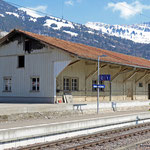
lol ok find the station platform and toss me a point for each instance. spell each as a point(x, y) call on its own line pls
point(64, 121)
point(18, 115)
point(58, 119)
point(83, 107)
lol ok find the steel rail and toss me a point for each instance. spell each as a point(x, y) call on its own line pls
point(80, 138)
point(103, 141)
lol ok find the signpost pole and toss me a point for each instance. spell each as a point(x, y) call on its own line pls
point(98, 79)
point(110, 91)
point(98, 84)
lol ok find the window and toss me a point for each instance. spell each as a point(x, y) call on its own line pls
point(102, 83)
point(95, 82)
point(21, 61)
point(140, 84)
point(74, 84)
point(28, 45)
point(70, 84)
point(35, 84)
point(7, 84)
point(66, 84)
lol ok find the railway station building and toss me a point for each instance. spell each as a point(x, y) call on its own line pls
point(41, 69)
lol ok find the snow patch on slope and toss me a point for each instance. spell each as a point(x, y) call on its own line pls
point(137, 33)
point(71, 33)
point(3, 33)
point(30, 12)
point(2, 15)
point(57, 25)
point(33, 19)
point(11, 13)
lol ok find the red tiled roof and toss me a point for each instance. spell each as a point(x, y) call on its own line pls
point(87, 52)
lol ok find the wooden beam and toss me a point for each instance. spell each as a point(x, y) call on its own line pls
point(114, 67)
point(141, 77)
point(90, 63)
point(130, 76)
point(118, 73)
point(90, 74)
point(95, 71)
point(73, 62)
point(102, 66)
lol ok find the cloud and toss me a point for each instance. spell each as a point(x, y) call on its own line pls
point(33, 11)
point(69, 2)
point(72, 2)
point(40, 8)
point(128, 10)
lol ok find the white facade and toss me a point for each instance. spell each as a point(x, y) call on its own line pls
point(39, 63)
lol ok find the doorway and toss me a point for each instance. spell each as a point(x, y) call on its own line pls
point(148, 91)
point(129, 90)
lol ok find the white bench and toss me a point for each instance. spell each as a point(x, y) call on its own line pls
point(78, 107)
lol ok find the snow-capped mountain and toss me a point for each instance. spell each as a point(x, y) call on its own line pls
point(93, 34)
point(138, 33)
point(3, 33)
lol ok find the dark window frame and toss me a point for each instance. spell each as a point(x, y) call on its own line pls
point(140, 84)
point(35, 84)
point(7, 86)
point(74, 84)
point(28, 45)
point(70, 84)
point(96, 82)
point(21, 61)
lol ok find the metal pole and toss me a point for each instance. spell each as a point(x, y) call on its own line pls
point(98, 88)
point(110, 91)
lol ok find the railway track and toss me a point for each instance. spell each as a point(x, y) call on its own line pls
point(112, 139)
point(92, 140)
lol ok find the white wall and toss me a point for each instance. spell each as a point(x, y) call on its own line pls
point(38, 63)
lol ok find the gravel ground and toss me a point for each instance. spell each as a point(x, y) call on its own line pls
point(35, 118)
point(143, 146)
point(25, 119)
point(36, 115)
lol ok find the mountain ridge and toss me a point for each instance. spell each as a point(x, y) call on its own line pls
point(139, 33)
point(12, 17)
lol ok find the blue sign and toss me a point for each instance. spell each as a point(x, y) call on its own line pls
point(105, 77)
point(98, 86)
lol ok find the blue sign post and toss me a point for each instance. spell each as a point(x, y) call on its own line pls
point(104, 77)
point(98, 86)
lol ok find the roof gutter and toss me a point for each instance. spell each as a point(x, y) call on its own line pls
point(134, 66)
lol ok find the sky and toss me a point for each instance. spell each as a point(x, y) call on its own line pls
point(83, 11)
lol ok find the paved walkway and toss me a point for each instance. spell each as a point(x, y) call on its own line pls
point(34, 114)
point(61, 119)
point(7, 109)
